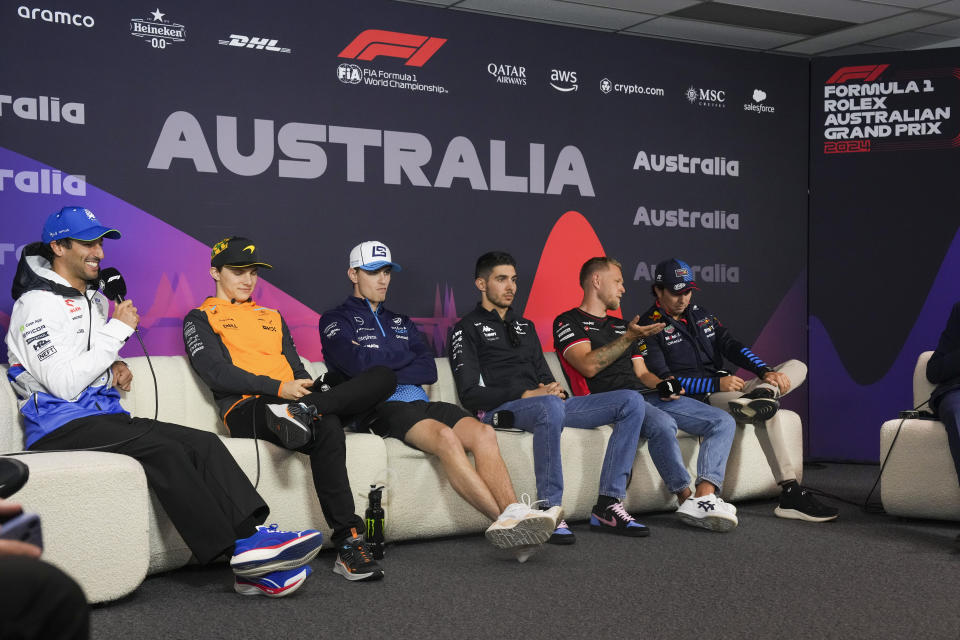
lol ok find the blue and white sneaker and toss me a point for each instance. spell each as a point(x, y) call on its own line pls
point(271, 549)
point(562, 534)
point(273, 585)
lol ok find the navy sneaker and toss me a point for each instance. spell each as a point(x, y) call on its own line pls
point(293, 423)
point(271, 549)
point(273, 585)
point(562, 534)
point(615, 519)
point(355, 561)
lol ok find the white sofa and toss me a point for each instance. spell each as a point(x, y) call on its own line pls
point(919, 479)
point(103, 526)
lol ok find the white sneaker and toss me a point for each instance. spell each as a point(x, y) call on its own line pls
point(707, 512)
point(726, 505)
point(520, 525)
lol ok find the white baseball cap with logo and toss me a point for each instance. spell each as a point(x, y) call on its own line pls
point(371, 255)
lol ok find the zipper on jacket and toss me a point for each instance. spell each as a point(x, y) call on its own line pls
point(89, 320)
point(375, 318)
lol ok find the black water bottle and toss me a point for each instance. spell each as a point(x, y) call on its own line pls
point(374, 516)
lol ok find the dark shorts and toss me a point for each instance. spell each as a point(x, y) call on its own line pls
point(394, 419)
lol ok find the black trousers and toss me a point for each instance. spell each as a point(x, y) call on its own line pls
point(37, 600)
point(350, 400)
point(204, 492)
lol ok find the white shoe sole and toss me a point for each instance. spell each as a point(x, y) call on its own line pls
point(717, 522)
point(535, 529)
point(793, 514)
point(253, 590)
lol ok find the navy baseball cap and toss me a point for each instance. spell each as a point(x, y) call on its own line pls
point(674, 275)
point(236, 251)
point(77, 223)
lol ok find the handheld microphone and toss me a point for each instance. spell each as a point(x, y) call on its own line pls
point(113, 284)
point(114, 287)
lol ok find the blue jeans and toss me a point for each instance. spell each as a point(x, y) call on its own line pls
point(546, 416)
point(714, 426)
point(949, 413)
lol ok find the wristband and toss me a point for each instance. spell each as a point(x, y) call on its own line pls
point(669, 388)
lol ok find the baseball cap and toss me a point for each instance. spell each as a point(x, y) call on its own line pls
point(236, 251)
point(77, 223)
point(371, 255)
point(675, 276)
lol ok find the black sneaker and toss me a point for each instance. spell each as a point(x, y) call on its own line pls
point(355, 561)
point(615, 519)
point(799, 504)
point(562, 534)
point(292, 423)
point(757, 406)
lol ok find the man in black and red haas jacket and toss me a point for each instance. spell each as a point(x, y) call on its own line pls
point(694, 346)
point(499, 368)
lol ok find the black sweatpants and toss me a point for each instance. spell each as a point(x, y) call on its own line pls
point(353, 399)
point(37, 600)
point(204, 492)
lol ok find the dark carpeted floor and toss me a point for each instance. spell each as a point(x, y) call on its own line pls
point(863, 576)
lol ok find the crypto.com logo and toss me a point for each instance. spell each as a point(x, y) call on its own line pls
point(867, 73)
point(373, 43)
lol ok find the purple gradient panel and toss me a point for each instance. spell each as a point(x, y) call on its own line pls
point(166, 271)
point(845, 416)
point(784, 338)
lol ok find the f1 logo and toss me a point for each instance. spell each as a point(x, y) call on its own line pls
point(379, 251)
point(416, 50)
point(867, 73)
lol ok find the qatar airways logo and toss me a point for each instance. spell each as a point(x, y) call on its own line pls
point(405, 155)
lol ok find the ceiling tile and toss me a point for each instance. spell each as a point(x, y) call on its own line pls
point(948, 28)
point(562, 12)
point(857, 49)
point(657, 7)
point(753, 18)
point(709, 32)
point(846, 10)
point(909, 40)
point(952, 8)
point(910, 4)
point(953, 42)
point(864, 32)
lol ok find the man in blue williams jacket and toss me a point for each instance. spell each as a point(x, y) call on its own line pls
point(361, 333)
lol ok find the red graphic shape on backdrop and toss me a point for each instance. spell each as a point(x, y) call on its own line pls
point(556, 286)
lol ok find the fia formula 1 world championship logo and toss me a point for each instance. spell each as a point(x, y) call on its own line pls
point(373, 43)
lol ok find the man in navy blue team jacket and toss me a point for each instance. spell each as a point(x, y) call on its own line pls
point(694, 346)
point(361, 333)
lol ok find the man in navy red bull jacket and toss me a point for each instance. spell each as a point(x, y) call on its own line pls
point(694, 346)
point(361, 333)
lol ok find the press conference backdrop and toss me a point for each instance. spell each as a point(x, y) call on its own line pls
point(310, 127)
point(884, 253)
